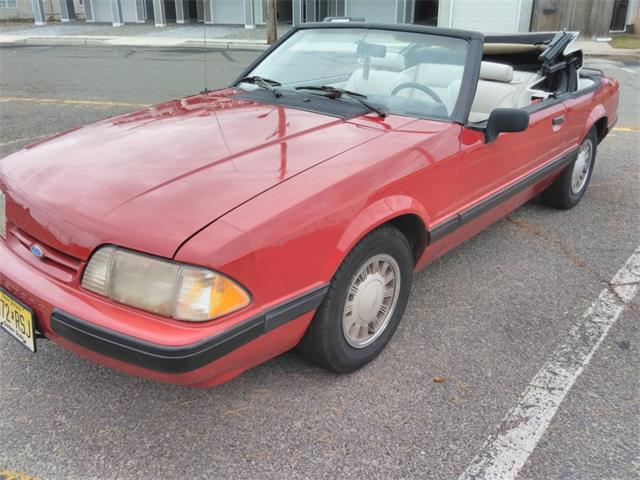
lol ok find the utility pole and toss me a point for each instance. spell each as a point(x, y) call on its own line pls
point(272, 22)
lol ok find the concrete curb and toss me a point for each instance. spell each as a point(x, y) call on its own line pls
point(605, 50)
point(633, 55)
point(141, 42)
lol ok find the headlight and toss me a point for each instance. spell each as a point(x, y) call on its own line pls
point(161, 286)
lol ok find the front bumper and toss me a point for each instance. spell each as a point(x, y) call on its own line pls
point(184, 358)
point(160, 349)
point(160, 358)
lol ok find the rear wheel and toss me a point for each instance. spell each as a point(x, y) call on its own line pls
point(365, 302)
point(569, 188)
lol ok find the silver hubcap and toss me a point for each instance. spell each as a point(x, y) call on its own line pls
point(371, 300)
point(581, 167)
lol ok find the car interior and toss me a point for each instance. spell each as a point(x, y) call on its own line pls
point(423, 79)
point(511, 75)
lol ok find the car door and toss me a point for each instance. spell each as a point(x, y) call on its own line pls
point(487, 170)
point(492, 171)
point(578, 110)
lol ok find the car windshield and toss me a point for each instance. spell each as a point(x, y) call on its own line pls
point(405, 73)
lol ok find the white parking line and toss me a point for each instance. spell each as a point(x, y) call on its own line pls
point(506, 450)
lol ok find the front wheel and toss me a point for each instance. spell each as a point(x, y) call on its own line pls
point(365, 302)
point(569, 188)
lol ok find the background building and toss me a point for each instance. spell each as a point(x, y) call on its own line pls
point(15, 10)
point(593, 18)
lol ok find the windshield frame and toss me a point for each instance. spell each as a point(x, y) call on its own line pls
point(470, 75)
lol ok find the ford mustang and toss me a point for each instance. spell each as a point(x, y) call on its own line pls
point(192, 240)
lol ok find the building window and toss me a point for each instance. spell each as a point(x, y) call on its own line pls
point(7, 3)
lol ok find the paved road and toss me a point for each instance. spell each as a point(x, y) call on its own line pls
point(486, 317)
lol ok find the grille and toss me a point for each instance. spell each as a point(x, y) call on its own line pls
point(3, 217)
point(53, 262)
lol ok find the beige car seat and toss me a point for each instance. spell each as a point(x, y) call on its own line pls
point(443, 79)
point(389, 72)
point(501, 86)
point(384, 75)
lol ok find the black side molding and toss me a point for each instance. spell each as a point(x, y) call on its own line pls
point(291, 310)
point(181, 359)
point(451, 224)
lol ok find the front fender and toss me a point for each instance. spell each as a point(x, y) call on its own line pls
point(374, 215)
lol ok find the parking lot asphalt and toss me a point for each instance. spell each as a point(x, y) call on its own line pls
point(486, 317)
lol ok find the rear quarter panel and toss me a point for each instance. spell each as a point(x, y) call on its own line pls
point(585, 109)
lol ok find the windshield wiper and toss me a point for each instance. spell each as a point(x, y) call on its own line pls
point(333, 92)
point(262, 82)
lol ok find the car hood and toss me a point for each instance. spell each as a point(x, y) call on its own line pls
point(148, 180)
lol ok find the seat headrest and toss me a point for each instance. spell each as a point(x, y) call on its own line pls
point(496, 72)
point(391, 61)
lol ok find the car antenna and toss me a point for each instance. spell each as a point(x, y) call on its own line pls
point(204, 53)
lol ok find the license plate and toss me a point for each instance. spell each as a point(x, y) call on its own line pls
point(17, 319)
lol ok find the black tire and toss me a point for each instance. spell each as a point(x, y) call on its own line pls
point(560, 194)
point(324, 343)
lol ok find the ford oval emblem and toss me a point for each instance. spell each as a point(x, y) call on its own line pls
point(36, 250)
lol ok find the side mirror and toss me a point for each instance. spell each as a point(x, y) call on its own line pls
point(505, 120)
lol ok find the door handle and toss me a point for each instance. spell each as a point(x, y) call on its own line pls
point(558, 120)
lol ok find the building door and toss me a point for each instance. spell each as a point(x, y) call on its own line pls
point(148, 10)
point(425, 12)
point(193, 12)
point(200, 9)
point(619, 17)
point(285, 11)
point(170, 10)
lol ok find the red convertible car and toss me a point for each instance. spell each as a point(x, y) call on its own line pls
point(190, 241)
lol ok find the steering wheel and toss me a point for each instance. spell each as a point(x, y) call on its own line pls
point(417, 86)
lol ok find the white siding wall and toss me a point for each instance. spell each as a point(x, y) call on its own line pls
point(129, 14)
point(488, 16)
point(101, 10)
point(23, 10)
point(383, 11)
point(228, 11)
